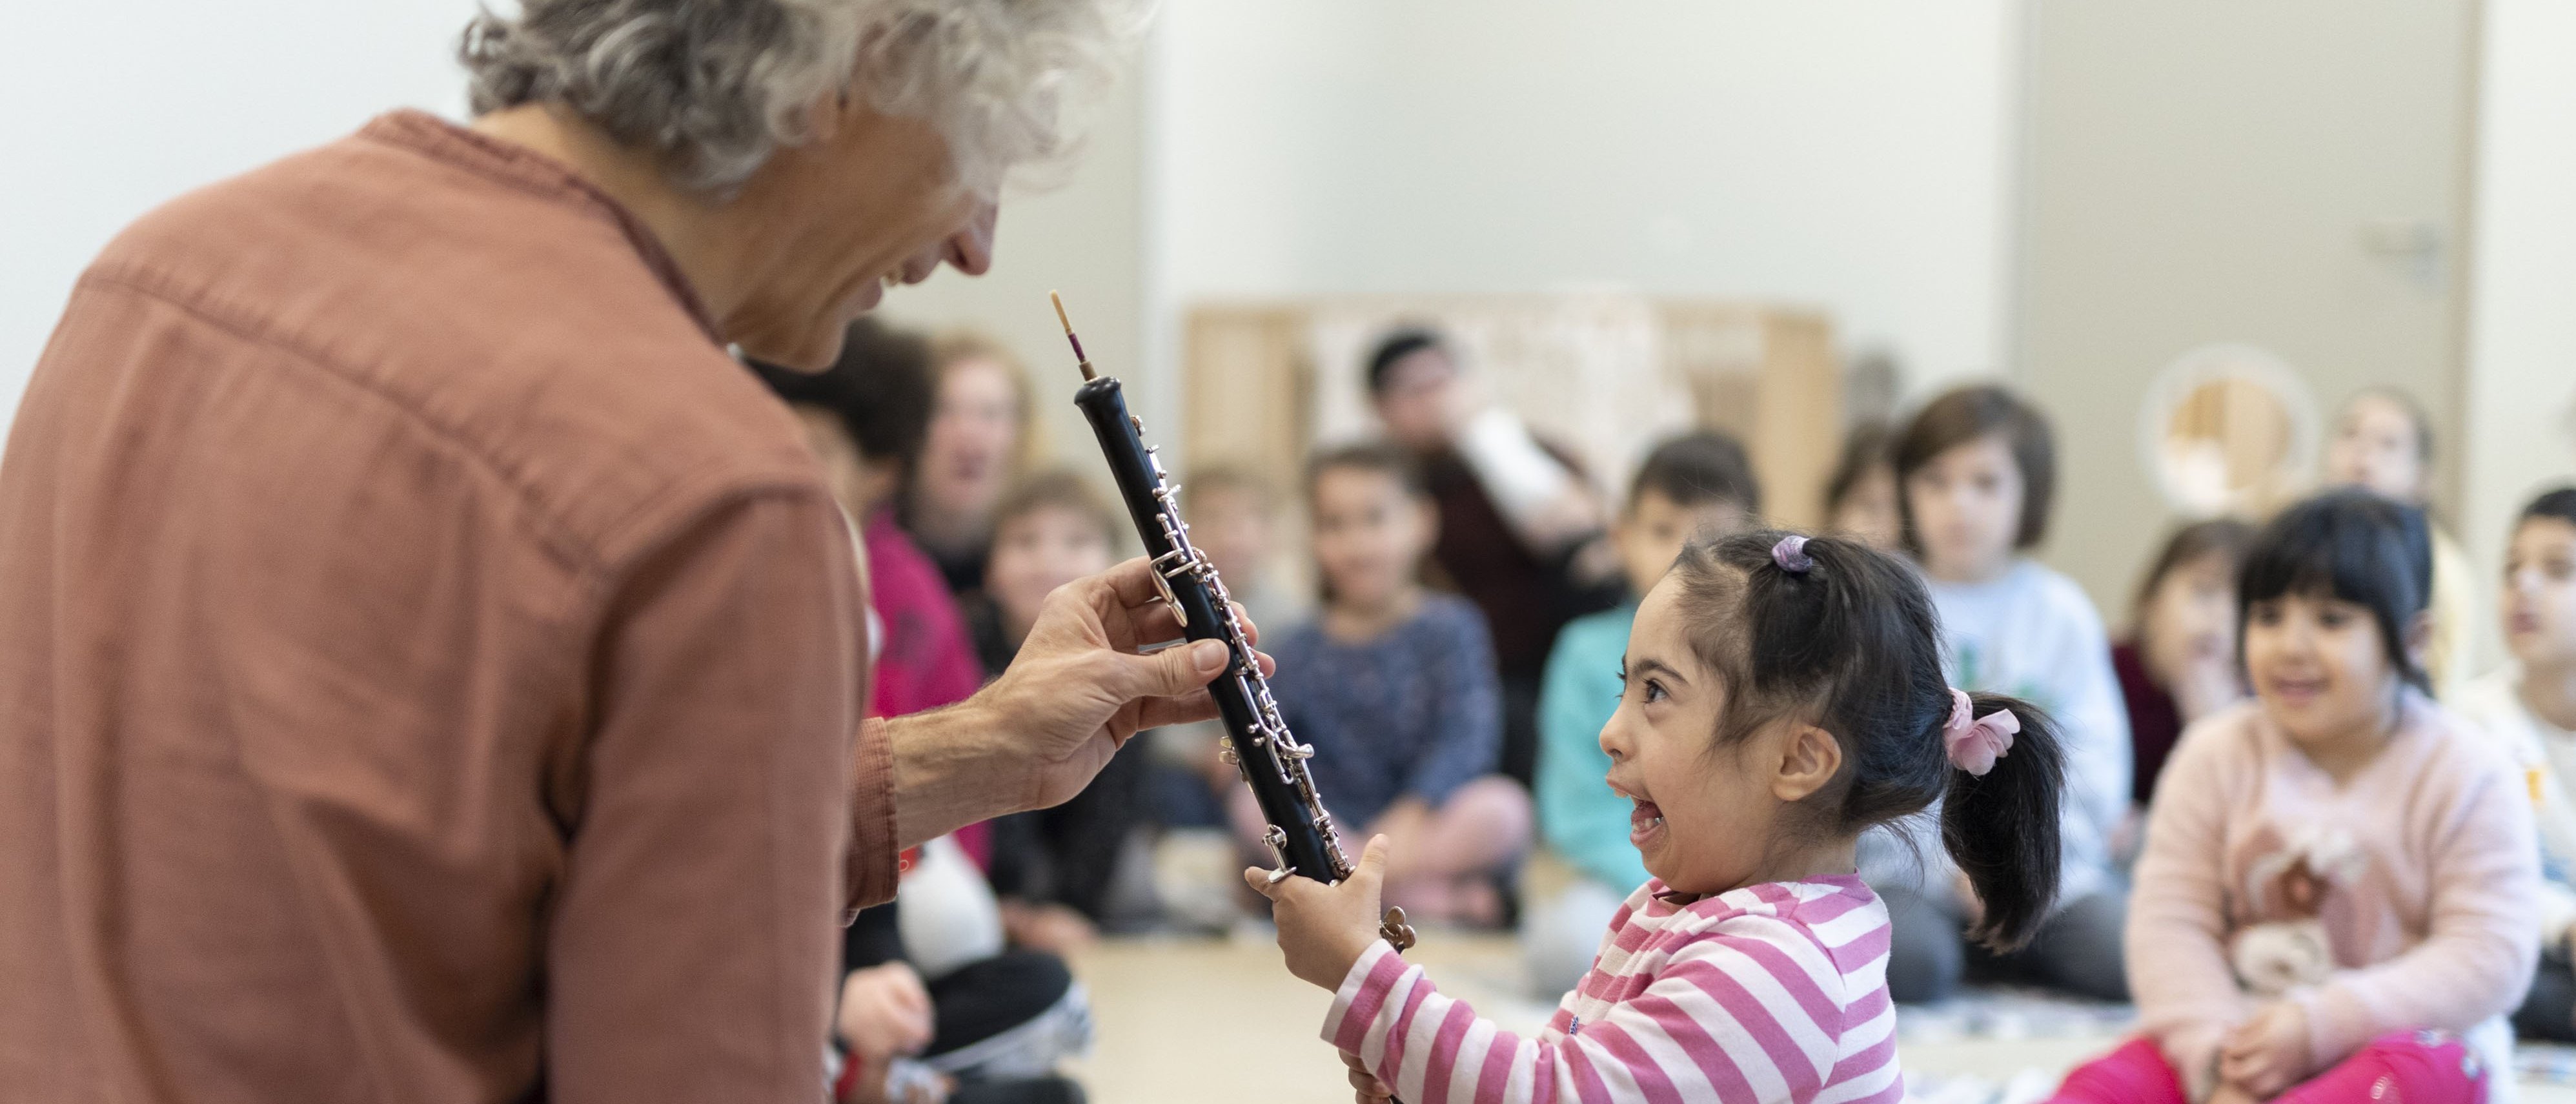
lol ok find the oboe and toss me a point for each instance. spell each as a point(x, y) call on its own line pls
point(1257, 741)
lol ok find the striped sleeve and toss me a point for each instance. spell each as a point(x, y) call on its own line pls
point(1747, 1013)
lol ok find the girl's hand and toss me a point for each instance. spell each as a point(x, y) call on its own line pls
point(1325, 928)
point(885, 1011)
point(2269, 1053)
point(1369, 1089)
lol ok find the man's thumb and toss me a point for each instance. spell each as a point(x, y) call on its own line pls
point(1176, 671)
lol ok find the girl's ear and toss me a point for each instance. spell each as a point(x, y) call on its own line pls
point(2419, 638)
point(1810, 757)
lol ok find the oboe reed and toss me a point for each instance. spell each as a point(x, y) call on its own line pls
point(1081, 359)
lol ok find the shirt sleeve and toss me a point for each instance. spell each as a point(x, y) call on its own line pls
point(1583, 820)
point(2177, 935)
point(2478, 953)
point(691, 940)
point(2095, 725)
point(1466, 712)
point(1736, 1017)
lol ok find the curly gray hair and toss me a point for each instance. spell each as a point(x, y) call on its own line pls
point(714, 87)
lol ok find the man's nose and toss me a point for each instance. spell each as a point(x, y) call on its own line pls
point(970, 249)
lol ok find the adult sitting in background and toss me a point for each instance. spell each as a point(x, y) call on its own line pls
point(2530, 707)
point(979, 444)
point(1693, 486)
point(2179, 663)
point(1513, 515)
point(1394, 687)
point(1064, 872)
point(2383, 443)
point(433, 666)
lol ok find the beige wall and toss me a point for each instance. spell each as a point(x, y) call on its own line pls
point(2521, 388)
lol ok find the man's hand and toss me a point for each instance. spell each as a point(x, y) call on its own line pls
point(1077, 690)
point(1325, 928)
point(2269, 1053)
point(885, 1011)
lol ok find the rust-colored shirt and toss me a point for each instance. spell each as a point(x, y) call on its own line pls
point(430, 667)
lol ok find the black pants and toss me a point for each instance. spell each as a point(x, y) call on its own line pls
point(2549, 1012)
point(2077, 950)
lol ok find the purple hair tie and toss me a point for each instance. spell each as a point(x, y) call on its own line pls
point(1791, 555)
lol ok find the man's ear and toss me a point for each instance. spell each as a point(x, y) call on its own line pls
point(1810, 757)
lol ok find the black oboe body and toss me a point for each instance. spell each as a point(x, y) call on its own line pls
point(1257, 741)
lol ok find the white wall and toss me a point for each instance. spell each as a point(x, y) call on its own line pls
point(117, 105)
point(1849, 154)
point(2521, 393)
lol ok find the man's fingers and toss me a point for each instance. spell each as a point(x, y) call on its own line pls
point(1131, 583)
point(1169, 673)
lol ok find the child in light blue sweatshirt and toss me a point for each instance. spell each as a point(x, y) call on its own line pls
point(1695, 485)
point(1975, 472)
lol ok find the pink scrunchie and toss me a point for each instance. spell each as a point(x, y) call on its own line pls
point(1974, 745)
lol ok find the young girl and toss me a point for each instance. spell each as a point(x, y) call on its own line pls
point(2179, 663)
point(2530, 707)
point(1395, 688)
point(2339, 873)
point(1977, 471)
point(1782, 695)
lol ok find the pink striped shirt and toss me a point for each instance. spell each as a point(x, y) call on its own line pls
point(1773, 992)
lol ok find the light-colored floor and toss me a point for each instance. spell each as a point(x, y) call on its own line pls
point(1222, 1020)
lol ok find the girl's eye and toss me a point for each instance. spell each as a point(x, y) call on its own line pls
point(2333, 618)
point(1654, 691)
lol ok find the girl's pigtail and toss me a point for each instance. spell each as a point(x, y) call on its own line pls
point(2000, 827)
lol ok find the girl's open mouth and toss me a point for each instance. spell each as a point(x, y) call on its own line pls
point(1645, 822)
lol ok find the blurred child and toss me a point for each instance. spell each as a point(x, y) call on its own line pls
point(1691, 487)
point(2338, 882)
point(1066, 871)
point(1782, 696)
point(1233, 514)
point(1976, 470)
point(2530, 707)
point(1860, 497)
point(2179, 663)
point(1234, 517)
point(2383, 443)
point(1395, 687)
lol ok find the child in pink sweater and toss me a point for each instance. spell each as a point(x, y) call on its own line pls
point(2338, 894)
point(1781, 695)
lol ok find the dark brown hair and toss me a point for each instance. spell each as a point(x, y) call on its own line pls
point(2353, 546)
point(879, 389)
point(1374, 456)
point(2559, 503)
point(1969, 414)
point(2219, 536)
point(1851, 645)
point(1865, 446)
point(1221, 476)
point(1060, 489)
point(1699, 468)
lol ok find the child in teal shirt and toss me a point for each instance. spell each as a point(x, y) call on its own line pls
point(1694, 485)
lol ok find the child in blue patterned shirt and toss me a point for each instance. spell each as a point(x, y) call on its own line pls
point(1395, 687)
